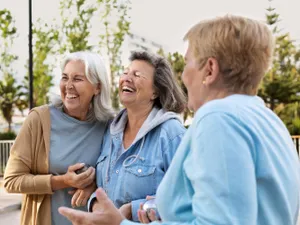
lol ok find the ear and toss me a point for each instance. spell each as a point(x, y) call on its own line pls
point(212, 71)
point(97, 89)
point(154, 96)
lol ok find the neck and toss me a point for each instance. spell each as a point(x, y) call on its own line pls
point(77, 115)
point(136, 117)
point(214, 95)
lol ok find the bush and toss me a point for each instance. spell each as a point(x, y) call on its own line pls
point(8, 135)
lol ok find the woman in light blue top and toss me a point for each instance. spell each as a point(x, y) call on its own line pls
point(237, 164)
point(142, 139)
point(78, 122)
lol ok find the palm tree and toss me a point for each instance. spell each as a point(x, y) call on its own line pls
point(11, 97)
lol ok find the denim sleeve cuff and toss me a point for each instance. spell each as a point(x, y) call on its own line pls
point(91, 201)
point(135, 205)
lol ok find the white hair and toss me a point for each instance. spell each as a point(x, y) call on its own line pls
point(96, 73)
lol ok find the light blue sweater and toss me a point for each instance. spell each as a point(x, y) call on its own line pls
point(236, 165)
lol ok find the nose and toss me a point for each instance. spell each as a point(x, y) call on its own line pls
point(69, 84)
point(127, 77)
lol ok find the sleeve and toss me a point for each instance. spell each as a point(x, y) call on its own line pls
point(91, 201)
point(168, 153)
point(221, 169)
point(18, 177)
point(170, 150)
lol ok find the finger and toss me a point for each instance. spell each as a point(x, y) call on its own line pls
point(145, 217)
point(79, 201)
point(76, 166)
point(75, 216)
point(152, 215)
point(71, 192)
point(140, 216)
point(85, 182)
point(85, 201)
point(103, 201)
point(141, 206)
point(148, 197)
point(75, 198)
point(86, 174)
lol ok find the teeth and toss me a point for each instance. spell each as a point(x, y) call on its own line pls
point(69, 96)
point(125, 88)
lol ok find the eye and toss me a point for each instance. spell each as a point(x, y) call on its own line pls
point(125, 72)
point(137, 74)
point(78, 79)
point(64, 78)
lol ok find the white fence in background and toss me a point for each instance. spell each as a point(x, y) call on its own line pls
point(4, 154)
point(6, 145)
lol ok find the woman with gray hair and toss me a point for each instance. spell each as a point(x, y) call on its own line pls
point(141, 141)
point(67, 132)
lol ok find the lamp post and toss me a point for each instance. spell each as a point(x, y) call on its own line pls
point(30, 67)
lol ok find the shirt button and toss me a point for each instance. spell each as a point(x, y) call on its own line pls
point(117, 171)
point(139, 170)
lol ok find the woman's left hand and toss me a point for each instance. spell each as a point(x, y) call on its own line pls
point(81, 196)
point(125, 210)
point(145, 217)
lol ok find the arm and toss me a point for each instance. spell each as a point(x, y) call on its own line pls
point(18, 177)
point(221, 171)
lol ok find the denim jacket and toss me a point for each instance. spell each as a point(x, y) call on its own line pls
point(129, 176)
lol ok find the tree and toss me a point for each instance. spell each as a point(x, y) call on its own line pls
point(76, 30)
point(11, 95)
point(281, 85)
point(115, 18)
point(45, 45)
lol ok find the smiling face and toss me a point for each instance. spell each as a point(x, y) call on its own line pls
point(76, 91)
point(136, 85)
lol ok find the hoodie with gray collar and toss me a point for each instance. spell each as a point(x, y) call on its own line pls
point(129, 175)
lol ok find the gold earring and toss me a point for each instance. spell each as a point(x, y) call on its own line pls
point(203, 82)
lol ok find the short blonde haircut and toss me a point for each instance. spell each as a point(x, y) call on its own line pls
point(243, 48)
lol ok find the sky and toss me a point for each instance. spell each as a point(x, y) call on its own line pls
point(162, 21)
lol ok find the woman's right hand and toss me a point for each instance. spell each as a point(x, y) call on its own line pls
point(81, 180)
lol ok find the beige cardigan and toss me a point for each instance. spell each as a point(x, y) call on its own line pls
point(27, 169)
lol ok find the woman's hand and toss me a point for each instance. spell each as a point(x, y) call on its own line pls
point(106, 215)
point(81, 196)
point(81, 180)
point(147, 217)
point(125, 210)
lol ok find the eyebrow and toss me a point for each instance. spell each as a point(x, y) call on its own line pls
point(77, 75)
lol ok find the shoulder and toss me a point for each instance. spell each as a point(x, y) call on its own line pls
point(37, 115)
point(172, 128)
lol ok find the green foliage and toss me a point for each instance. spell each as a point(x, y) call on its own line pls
point(11, 95)
point(45, 45)
point(76, 30)
point(280, 88)
point(116, 22)
point(10, 135)
point(177, 62)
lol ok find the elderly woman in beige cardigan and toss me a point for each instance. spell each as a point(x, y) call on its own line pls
point(58, 139)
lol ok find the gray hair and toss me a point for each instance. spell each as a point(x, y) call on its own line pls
point(95, 71)
point(170, 95)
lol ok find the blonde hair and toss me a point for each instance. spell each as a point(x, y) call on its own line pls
point(95, 70)
point(243, 48)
